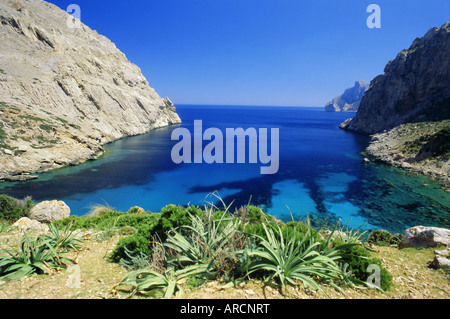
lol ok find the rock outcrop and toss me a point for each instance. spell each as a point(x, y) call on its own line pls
point(440, 262)
point(350, 100)
point(423, 148)
point(415, 87)
point(65, 92)
point(441, 259)
point(49, 211)
point(420, 236)
point(26, 224)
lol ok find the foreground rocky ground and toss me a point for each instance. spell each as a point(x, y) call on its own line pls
point(412, 277)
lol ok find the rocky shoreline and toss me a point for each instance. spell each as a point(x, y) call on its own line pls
point(406, 110)
point(411, 147)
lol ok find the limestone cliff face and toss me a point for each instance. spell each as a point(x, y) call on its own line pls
point(350, 100)
point(415, 87)
point(64, 92)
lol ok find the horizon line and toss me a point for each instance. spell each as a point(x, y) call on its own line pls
point(203, 104)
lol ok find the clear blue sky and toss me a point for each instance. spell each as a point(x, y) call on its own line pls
point(258, 52)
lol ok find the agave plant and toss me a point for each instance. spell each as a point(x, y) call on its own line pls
point(349, 235)
point(289, 261)
point(64, 240)
point(212, 240)
point(34, 256)
point(147, 281)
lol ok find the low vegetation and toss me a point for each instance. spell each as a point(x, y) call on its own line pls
point(39, 130)
point(42, 254)
point(163, 254)
point(12, 209)
point(427, 140)
point(383, 238)
point(194, 245)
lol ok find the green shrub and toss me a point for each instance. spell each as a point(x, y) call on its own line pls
point(251, 214)
point(136, 243)
point(253, 218)
point(98, 210)
point(172, 217)
point(139, 242)
point(359, 259)
point(148, 225)
point(136, 210)
point(12, 209)
point(255, 229)
point(383, 238)
point(108, 222)
point(396, 239)
point(380, 237)
point(143, 222)
point(97, 221)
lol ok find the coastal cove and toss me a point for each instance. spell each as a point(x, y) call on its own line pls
point(321, 173)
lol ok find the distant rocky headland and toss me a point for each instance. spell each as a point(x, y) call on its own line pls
point(408, 108)
point(350, 100)
point(65, 92)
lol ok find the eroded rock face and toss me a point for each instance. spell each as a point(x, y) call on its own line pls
point(65, 92)
point(415, 87)
point(421, 236)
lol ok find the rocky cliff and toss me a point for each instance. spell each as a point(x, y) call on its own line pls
point(415, 87)
point(350, 100)
point(407, 109)
point(65, 92)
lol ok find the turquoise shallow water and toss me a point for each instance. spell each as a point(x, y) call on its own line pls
point(321, 174)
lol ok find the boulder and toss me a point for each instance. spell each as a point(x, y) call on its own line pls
point(421, 236)
point(441, 262)
point(49, 211)
point(8, 152)
point(25, 224)
point(442, 253)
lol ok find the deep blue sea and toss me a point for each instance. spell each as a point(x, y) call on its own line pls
point(321, 173)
